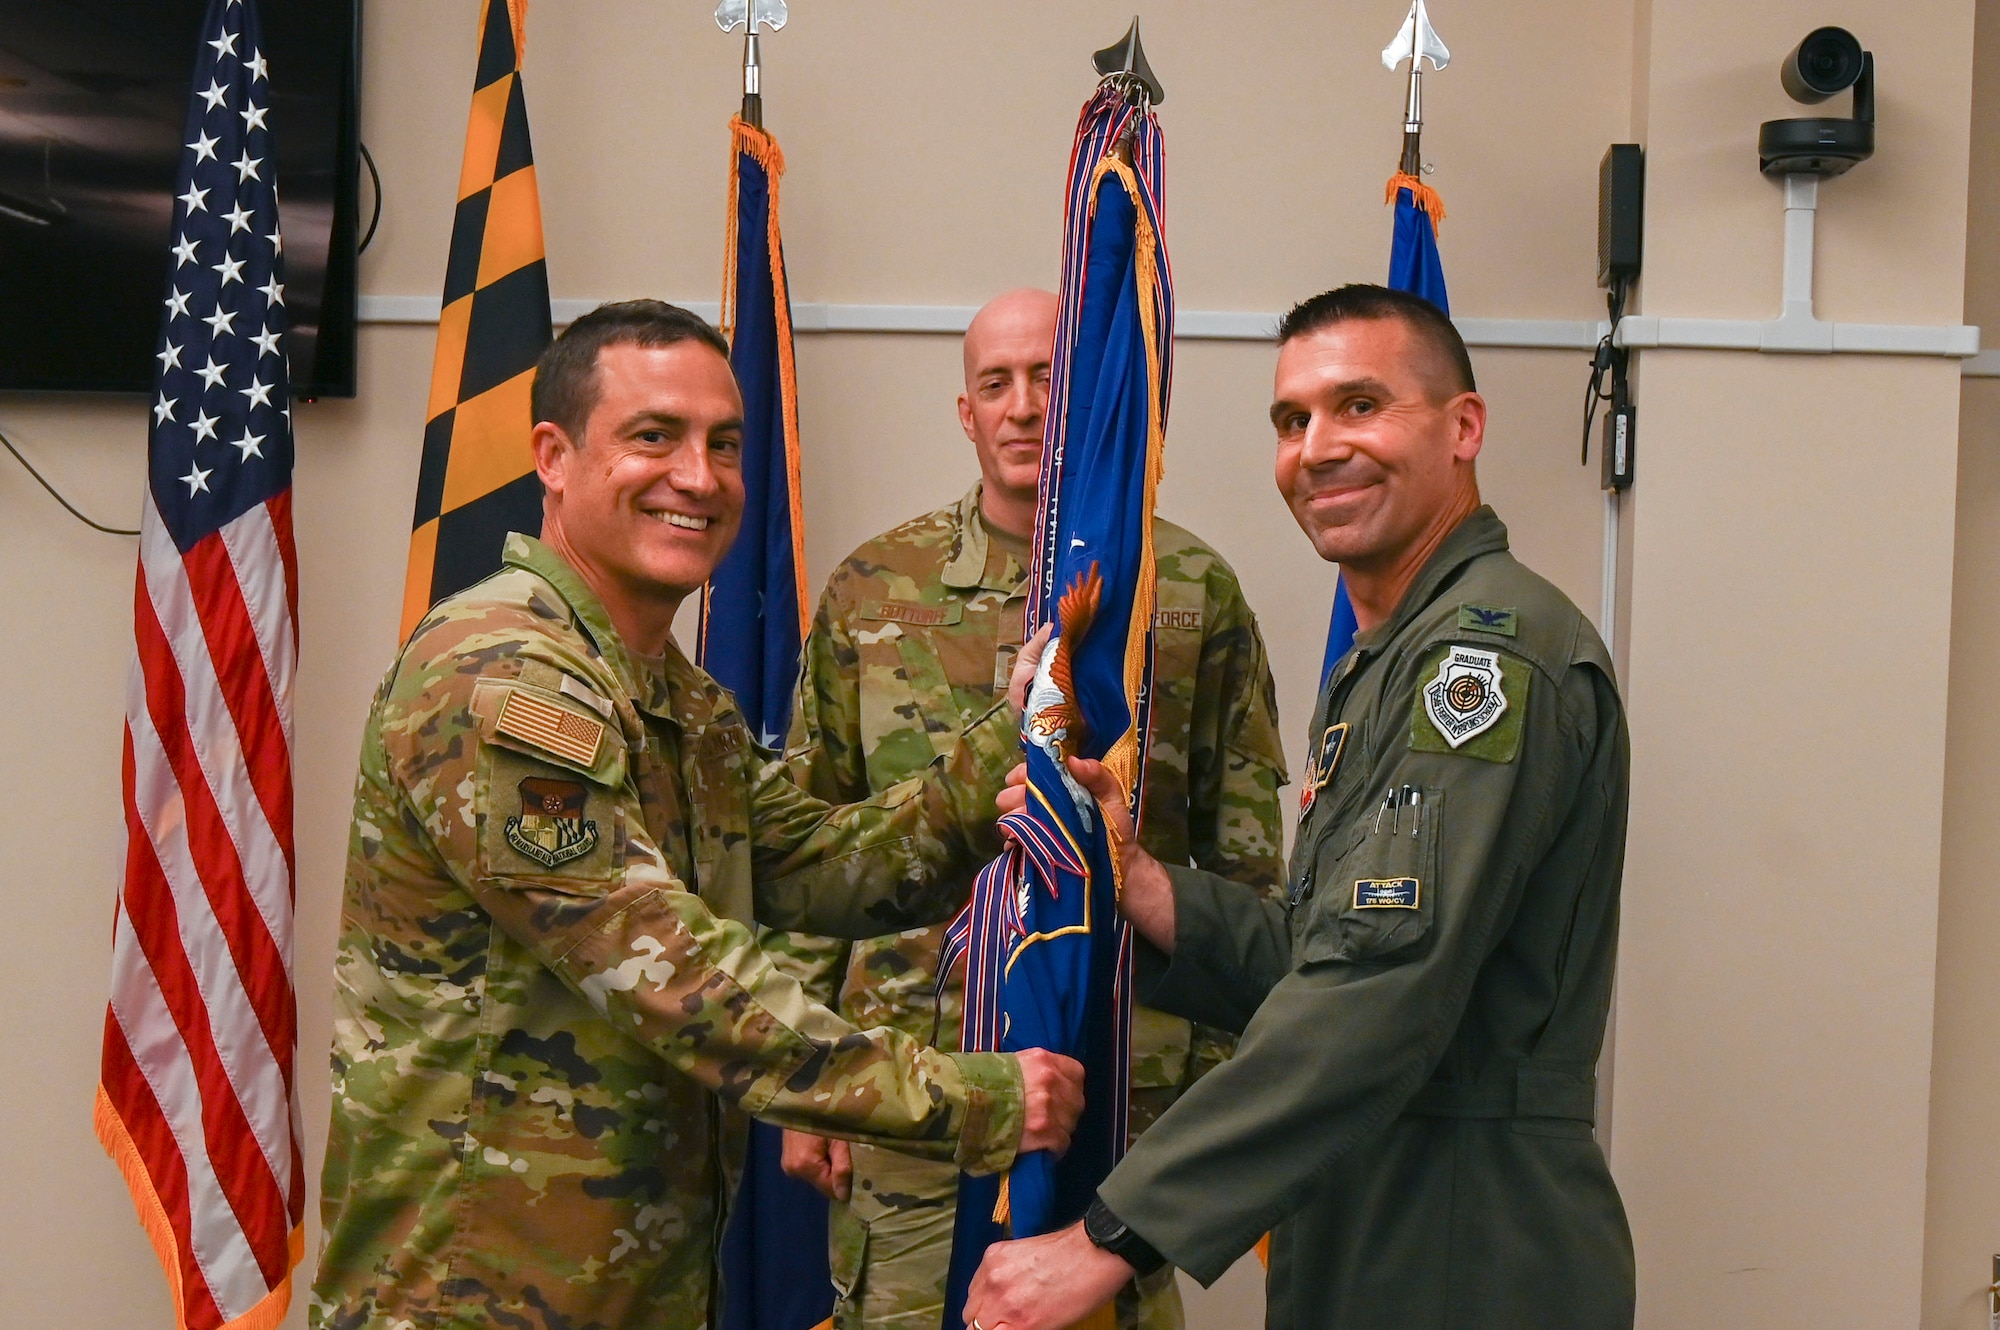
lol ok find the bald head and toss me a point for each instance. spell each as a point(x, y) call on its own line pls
point(1020, 320)
point(1008, 347)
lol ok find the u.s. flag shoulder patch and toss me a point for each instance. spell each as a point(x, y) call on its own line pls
point(553, 729)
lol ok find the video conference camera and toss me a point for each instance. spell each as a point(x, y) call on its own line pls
point(1828, 61)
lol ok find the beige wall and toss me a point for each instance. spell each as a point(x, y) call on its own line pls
point(1962, 1218)
point(927, 147)
point(1787, 665)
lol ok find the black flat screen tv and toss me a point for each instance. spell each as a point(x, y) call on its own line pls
point(93, 97)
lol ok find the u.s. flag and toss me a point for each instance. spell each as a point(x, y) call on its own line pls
point(197, 1101)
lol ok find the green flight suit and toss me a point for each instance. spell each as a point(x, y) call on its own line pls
point(1410, 1105)
point(550, 1013)
point(918, 630)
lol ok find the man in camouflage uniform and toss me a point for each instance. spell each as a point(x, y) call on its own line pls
point(915, 635)
point(550, 1011)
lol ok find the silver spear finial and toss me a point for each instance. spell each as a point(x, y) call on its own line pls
point(1416, 41)
point(750, 15)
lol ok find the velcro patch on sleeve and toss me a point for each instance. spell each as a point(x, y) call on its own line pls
point(1471, 701)
point(584, 693)
point(1388, 893)
point(558, 730)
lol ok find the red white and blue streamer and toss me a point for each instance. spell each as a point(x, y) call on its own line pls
point(1047, 959)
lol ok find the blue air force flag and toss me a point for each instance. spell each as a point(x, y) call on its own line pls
point(1048, 960)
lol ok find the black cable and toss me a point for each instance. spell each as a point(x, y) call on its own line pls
point(57, 496)
point(1609, 359)
point(375, 176)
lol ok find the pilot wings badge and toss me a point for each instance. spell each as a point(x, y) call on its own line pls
point(1055, 719)
point(1465, 699)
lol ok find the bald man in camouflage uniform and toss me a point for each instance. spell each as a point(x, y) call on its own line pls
point(917, 631)
point(550, 1012)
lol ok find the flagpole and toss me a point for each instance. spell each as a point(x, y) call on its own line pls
point(751, 14)
point(1413, 110)
point(753, 95)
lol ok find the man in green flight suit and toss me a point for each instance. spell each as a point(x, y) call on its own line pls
point(1410, 1107)
point(916, 634)
point(550, 1012)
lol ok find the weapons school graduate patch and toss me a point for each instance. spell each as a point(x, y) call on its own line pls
point(550, 828)
point(1387, 893)
point(1465, 699)
point(1471, 702)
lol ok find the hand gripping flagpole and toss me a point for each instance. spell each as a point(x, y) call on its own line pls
point(1047, 959)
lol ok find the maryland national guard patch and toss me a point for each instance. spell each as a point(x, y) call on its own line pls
point(1470, 701)
point(551, 828)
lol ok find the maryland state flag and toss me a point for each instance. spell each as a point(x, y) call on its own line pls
point(774, 1262)
point(477, 478)
point(1048, 960)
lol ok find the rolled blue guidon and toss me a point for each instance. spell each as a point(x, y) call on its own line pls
point(1048, 960)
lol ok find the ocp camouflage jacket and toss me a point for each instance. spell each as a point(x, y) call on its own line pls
point(549, 1007)
point(918, 630)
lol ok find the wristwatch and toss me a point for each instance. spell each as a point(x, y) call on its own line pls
point(1111, 1233)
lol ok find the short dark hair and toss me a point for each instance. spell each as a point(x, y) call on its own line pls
point(565, 391)
point(1362, 300)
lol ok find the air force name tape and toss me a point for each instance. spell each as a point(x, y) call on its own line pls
point(1465, 699)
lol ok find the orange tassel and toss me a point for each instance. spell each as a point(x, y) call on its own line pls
point(517, 17)
point(1422, 195)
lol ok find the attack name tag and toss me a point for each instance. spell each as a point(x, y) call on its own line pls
point(1465, 699)
point(1387, 893)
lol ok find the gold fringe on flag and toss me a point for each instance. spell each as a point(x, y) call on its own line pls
point(1422, 195)
point(748, 139)
point(1122, 758)
point(117, 1142)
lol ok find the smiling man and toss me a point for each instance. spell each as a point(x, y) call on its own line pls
point(916, 633)
point(1409, 1111)
point(550, 1014)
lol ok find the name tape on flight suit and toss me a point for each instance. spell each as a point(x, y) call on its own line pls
point(1387, 893)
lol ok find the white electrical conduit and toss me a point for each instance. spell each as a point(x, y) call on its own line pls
point(1797, 330)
